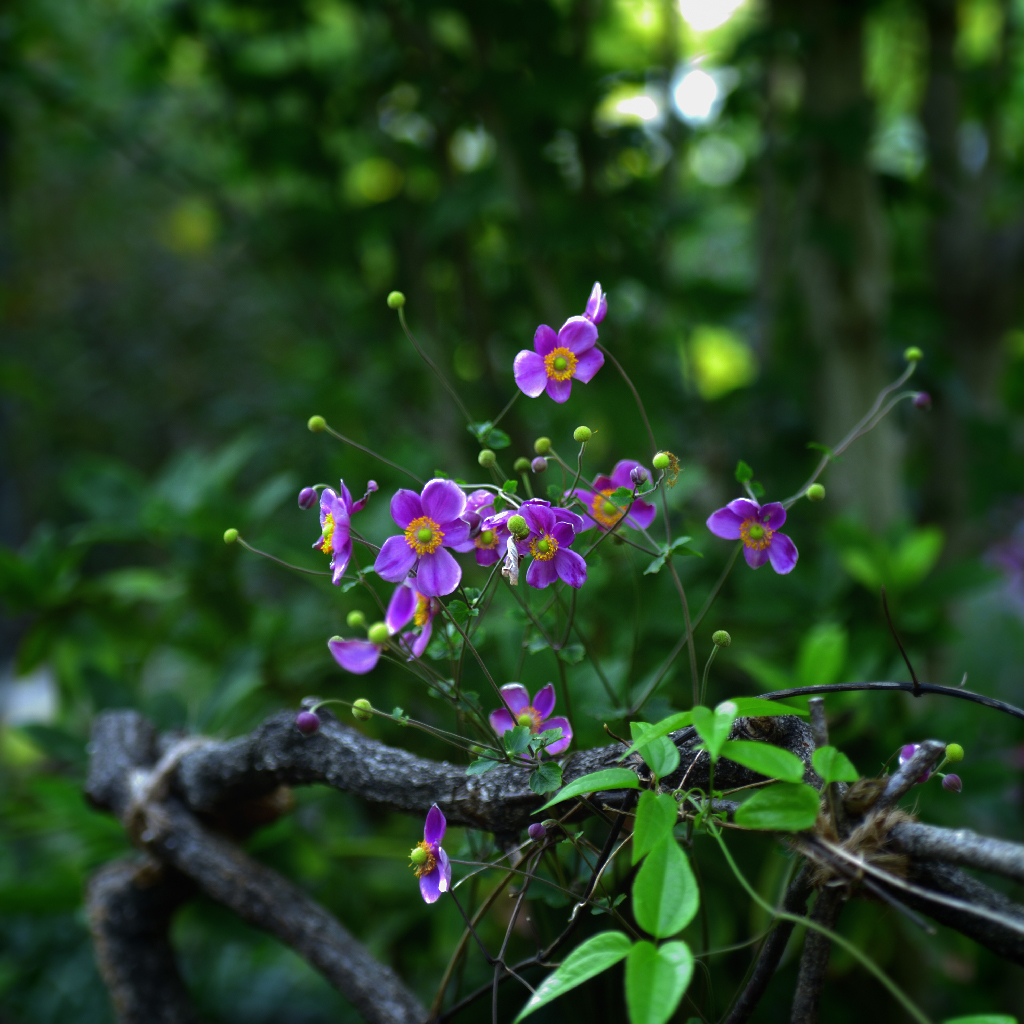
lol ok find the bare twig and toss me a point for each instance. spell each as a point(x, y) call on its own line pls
point(814, 960)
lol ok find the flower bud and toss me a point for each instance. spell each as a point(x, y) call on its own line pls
point(953, 783)
point(396, 300)
point(661, 460)
point(542, 445)
point(307, 497)
point(922, 400)
point(815, 493)
point(521, 465)
point(537, 832)
point(487, 458)
point(307, 722)
point(362, 710)
point(721, 638)
point(582, 434)
point(230, 536)
point(913, 354)
point(638, 476)
point(316, 424)
point(517, 527)
point(954, 752)
point(539, 464)
point(378, 633)
point(372, 487)
point(355, 619)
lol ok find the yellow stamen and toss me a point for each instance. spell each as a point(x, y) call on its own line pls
point(529, 717)
point(560, 363)
point(423, 535)
point(604, 511)
point(756, 535)
point(328, 531)
point(429, 864)
point(488, 540)
point(422, 611)
point(544, 547)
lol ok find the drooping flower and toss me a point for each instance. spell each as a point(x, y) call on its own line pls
point(336, 511)
point(758, 527)
point(361, 656)
point(536, 716)
point(597, 304)
point(551, 532)
point(559, 358)
point(406, 604)
point(603, 512)
point(429, 860)
point(486, 542)
point(430, 521)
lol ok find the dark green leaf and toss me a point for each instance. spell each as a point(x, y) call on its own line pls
point(510, 486)
point(677, 721)
point(595, 782)
point(765, 759)
point(833, 765)
point(665, 895)
point(783, 807)
point(661, 755)
point(555, 494)
point(481, 765)
point(656, 980)
point(743, 472)
point(572, 654)
point(757, 707)
point(680, 546)
point(757, 488)
point(819, 447)
point(547, 778)
point(544, 739)
point(982, 1018)
point(498, 439)
point(621, 496)
point(479, 430)
point(656, 816)
point(713, 726)
point(517, 740)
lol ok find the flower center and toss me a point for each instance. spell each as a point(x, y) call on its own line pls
point(560, 363)
point(755, 535)
point(422, 614)
point(529, 717)
point(486, 539)
point(328, 531)
point(423, 535)
point(544, 547)
point(423, 858)
point(606, 513)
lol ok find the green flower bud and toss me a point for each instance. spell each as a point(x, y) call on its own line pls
point(317, 424)
point(521, 465)
point(418, 855)
point(230, 536)
point(378, 633)
point(356, 619)
point(362, 710)
point(396, 300)
point(721, 638)
point(954, 753)
point(582, 434)
point(815, 493)
point(542, 445)
point(487, 458)
point(517, 526)
point(661, 460)
point(913, 354)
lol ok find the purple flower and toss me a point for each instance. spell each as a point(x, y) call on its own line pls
point(537, 832)
point(558, 358)
point(429, 860)
point(757, 526)
point(597, 304)
point(430, 522)
point(408, 603)
point(605, 513)
point(336, 510)
point(307, 498)
point(355, 656)
point(535, 716)
point(552, 531)
point(487, 542)
point(906, 753)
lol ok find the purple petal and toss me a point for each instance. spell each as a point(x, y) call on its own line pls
point(530, 374)
point(773, 515)
point(401, 608)
point(445, 867)
point(907, 752)
point(345, 496)
point(487, 556)
point(405, 507)
point(563, 515)
point(430, 885)
point(544, 340)
point(782, 551)
point(433, 828)
point(564, 534)
point(542, 574)
point(620, 474)
point(597, 304)
point(438, 574)
point(478, 501)
point(744, 508)
point(561, 744)
point(516, 696)
point(725, 523)
point(570, 567)
point(756, 557)
point(606, 483)
point(501, 721)
point(419, 645)
point(395, 560)
point(355, 656)
point(641, 514)
point(539, 518)
point(340, 558)
point(443, 500)
point(588, 364)
point(457, 535)
point(578, 335)
point(559, 390)
point(544, 702)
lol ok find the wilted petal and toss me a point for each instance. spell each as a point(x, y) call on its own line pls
point(530, 374)
point(516, 696)
point(544, 340)
point(394, 560)
point(542, 574)
point(430, 885)
point(559, 390)
point(438, 574)
point(783, 554)
point(725, 524)
point(577, 334)
point(544, 702)
point(756, 557)
point(405, 507)
point(443, 500)
point(501, 721)
point(560, 744)
point(401, 608)
point(433, 828)
point(571, 567)
point(587, 364)
point(355, 656)
point(773, 515)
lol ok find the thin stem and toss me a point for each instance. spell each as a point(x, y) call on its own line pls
point(707, 668)
point(508, 405)
point(636, 398)
point(430, 362)
point(369, 451)
point(281, 561)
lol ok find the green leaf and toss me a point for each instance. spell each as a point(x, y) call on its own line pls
point(656, 980)
point(555, 494)
point(764, 758)
point(817, 446)
point(916, 557)
point(481, 765)
point(680, 546)
point(833, 765)
point(661, 755)
point(743, 472)
point(713, 726)
point(758, 707)
point(586, 961)
point(546, 778)
point(982, 1018)
point(784, 807)
point(517, 739)
point(497, 439)
point(595, 782)
point(479, 430)
point(544, 739)
point(665, 895)
point(621, 496)
point(822, 655)
point(655, 818)
point(677, 721)
point(510, 486)
point(499, 503)
point(572, 654)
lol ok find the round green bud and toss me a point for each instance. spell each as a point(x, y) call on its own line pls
point(521, 465)
point(396, 300)
point(356, 619)
point(418, 855)
point(721, 638)
point(913, 354)
point(517, 526)
point(362, 710)
point(487, 458)
point(661, 460)
point(230, 536)
point(815, 493)
point(582, 434)
point(954, 753)
point(378, 633)
point(316, 424)
point(542, 445)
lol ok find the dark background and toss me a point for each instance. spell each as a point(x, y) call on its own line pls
point(202, 208)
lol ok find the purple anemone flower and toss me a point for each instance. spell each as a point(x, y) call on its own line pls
point(408, 603)
point(430, 521)
point(597, 304)
point(486, 542)
point(536, 716)
point(429, 860)
point(757, 526)
point(604, 513)
point(552, 531)
point(336, 511)
point(558, 358)
point(355, 656)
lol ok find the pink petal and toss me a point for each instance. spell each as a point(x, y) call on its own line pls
point(561, 744)
point(756, 557)
point(544, 702)
point(542, 574)
point(395, 560)
point(433, 828)
point(443, 500)
point(544, 340)
point(355, 656)
point(501, 721)
point(773, 515)
point(401, 608)
point(571, 567)
point(578, 335)
point(588, 364)
point(438, 574)
point(725, 523)
point(516, 696)
point(782, 551)
point(559, 390)
point(529, 372)
point(405, 507)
